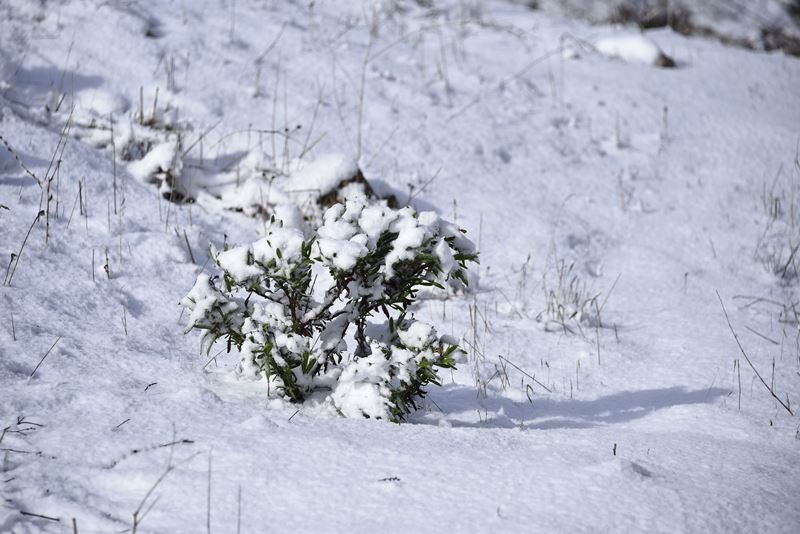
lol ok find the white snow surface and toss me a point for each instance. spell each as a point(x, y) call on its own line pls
point(650, 181)
point(737, 20)
point(633, 48)
point(161, 158)
point(323, 174)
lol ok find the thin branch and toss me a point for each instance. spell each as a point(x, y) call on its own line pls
point(137, 518)
point(263, 55)
point(614, 285)
point(762, 336)
point(747, 358)
point(40, 516)
point(19, 161)
point(16, 257)
point(200, 138)
point(45, 356)
point(515, 366)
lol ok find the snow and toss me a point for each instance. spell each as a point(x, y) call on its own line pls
point(668, 179)
point(202, 297)
point(374, 220)
point(633, 48)
point(323, 174)
point(419, 335)
point(288, 189)
point(360, 391)
point(99, 103)
point(343, 254)
point(238, 262)
point(279, 245)
point(161, 158)
point(410, 234)
point(754, 23)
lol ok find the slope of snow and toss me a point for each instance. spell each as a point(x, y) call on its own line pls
point(758, 24)
point(656, 185)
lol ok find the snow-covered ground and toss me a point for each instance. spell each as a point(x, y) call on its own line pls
point(659, 188)
point(758, 24)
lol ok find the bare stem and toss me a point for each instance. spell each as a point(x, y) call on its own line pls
point(747, 358)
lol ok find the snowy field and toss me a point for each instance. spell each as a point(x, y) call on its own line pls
point(617, 207)
point(757, 24)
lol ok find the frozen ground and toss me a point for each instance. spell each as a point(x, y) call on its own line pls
point(661, 187)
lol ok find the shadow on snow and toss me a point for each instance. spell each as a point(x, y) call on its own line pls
point(460, 405)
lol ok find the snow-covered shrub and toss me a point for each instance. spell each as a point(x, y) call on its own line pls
point(331, 313)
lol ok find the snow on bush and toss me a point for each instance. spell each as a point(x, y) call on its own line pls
point(330, 314)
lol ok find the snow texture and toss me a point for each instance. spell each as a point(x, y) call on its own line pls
point(634, 48)
point(752, 23)
point(662, 188)
point(323, 174)
point(160, 159)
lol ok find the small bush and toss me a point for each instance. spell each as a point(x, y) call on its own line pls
point(330, 314)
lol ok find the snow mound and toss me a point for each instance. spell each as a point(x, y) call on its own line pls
point(633, 48)
point(297, 195)
point(163, 158)
point(324, 174)
point(100, 102)
point(7, 66)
